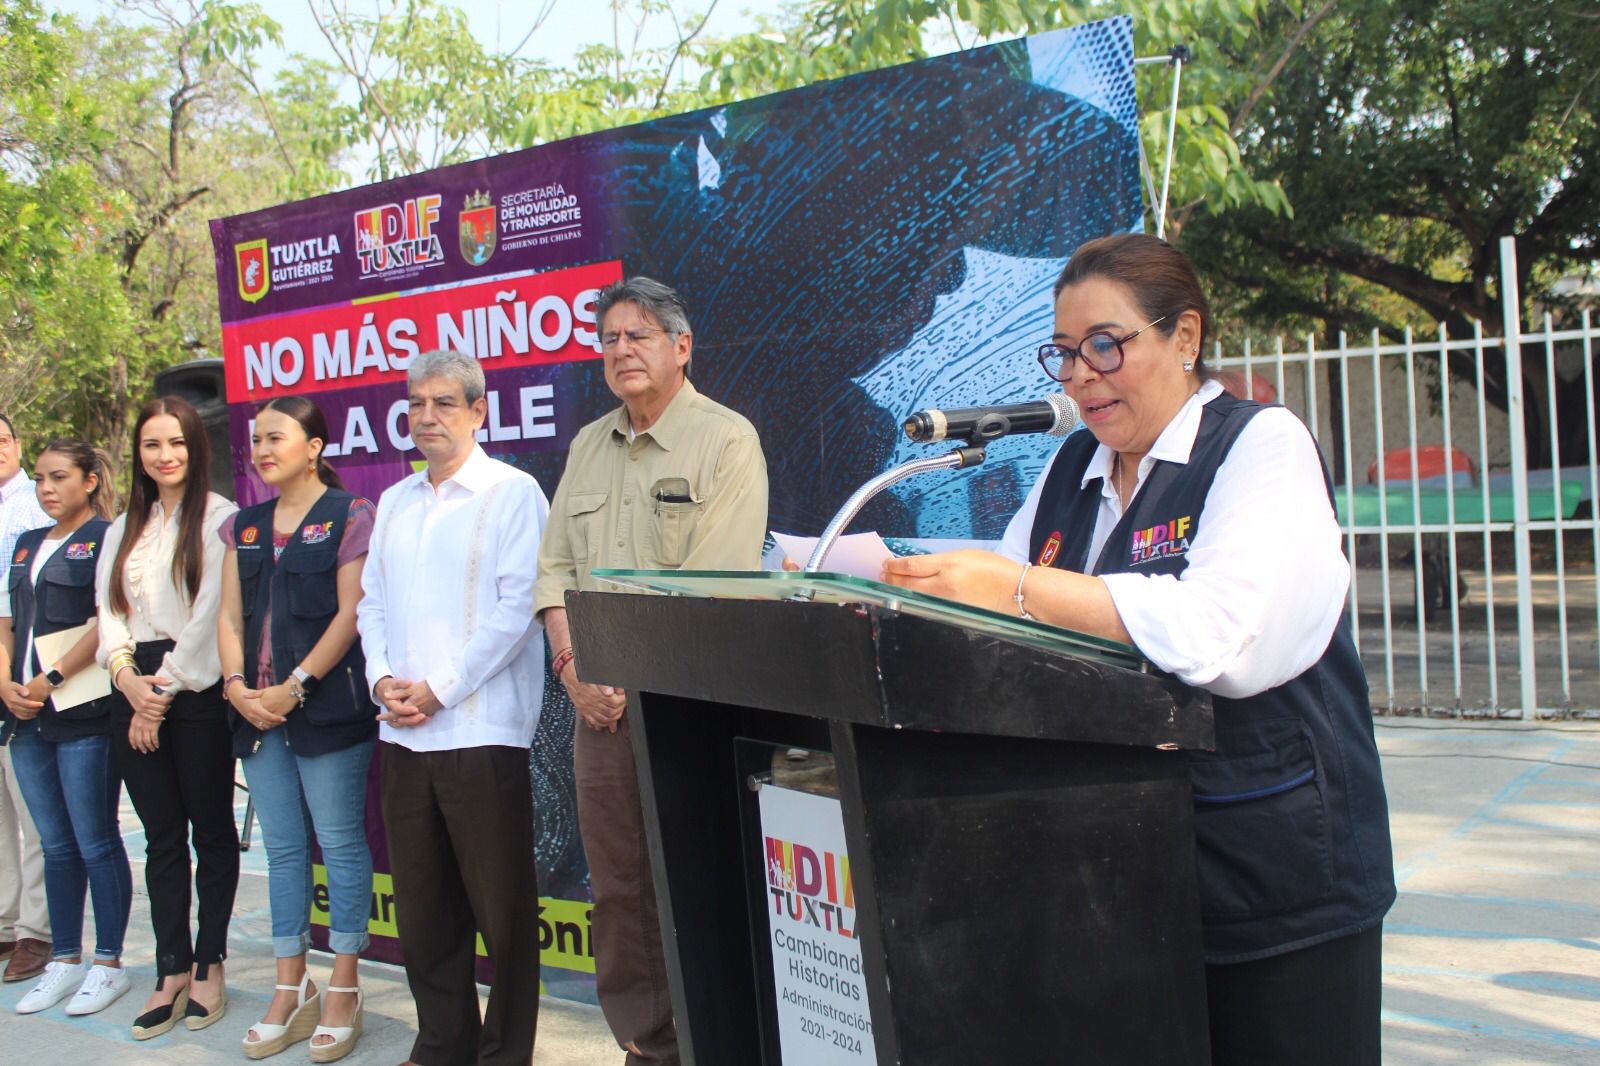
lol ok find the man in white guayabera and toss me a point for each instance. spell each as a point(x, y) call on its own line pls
point(456, 660)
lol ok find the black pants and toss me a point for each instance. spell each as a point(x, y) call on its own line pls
point(460, 828)
point(186, 782)
point(1315, 1007)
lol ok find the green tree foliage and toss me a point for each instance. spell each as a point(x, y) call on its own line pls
point(1338, 164)
point(62, 307)
point(1411, 136)
point(120, 140)
point(428, 93)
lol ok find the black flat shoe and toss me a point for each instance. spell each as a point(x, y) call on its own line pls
point(196, 1017)
point(152, 1023)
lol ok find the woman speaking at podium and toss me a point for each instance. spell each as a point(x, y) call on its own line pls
point(1200, 528)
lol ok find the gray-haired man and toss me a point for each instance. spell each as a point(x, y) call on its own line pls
point(457, 661)
point(669, 480)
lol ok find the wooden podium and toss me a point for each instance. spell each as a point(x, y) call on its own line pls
point(1015, 800)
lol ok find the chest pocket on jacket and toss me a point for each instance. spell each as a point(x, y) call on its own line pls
point(313, 583)
point(672, 526)
point(1260, 822)
point(250, 564)
point(69, 596)
point(585, 526)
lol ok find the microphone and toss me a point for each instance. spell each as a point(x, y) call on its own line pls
point(1056, 414)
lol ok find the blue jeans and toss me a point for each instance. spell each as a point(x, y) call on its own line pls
point(72, 789)
point(295, 794)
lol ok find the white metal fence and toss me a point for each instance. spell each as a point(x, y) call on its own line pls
point(1475, 587)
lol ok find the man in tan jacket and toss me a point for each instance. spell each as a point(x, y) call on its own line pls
point(669, 480)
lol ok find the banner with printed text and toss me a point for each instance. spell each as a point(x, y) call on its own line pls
point(821, 990)
point(849, 252)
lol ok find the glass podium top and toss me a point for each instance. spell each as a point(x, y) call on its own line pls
point(843, 588)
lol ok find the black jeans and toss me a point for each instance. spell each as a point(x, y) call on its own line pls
point(186, 782)
point(1318, 1006)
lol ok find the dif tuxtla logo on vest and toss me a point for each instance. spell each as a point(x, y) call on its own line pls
point(1161, 541)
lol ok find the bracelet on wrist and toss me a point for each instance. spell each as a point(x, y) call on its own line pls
point(1022, 611)
point(559, 663)
point(227, 683)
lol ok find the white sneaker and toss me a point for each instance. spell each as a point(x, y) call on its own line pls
point(99, 990)
point(60, 980)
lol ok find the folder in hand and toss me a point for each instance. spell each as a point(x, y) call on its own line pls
point(89, 684)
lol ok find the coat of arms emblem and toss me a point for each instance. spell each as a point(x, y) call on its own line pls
point(250, 258)
point(477, 228)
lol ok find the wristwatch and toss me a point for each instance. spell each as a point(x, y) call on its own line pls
point(308, 684)
point(55, 677)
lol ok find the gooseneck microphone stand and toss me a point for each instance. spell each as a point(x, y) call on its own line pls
point(989, 425)
point(960, 459)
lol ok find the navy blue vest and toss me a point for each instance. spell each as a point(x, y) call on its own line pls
point(1291, 821)
point(62, 599)
point(302, 588)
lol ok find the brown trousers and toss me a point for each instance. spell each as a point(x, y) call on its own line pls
point(460, 829)
point(630, 965)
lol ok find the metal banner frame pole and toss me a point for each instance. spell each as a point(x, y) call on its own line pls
point(1177, 56)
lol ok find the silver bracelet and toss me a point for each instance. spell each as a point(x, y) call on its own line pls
point(1021, 610)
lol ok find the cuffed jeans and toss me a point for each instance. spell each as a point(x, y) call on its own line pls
point(72, 788)
point(294, 796)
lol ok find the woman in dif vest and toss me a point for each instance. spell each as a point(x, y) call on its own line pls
point(303, 721)
point(1162, 527)
point(63, 758)
point(158, 582)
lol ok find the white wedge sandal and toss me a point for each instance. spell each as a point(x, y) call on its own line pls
point(272, 1038)
point(344, 1036)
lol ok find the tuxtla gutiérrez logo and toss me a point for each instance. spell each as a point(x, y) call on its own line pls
point(250, 261)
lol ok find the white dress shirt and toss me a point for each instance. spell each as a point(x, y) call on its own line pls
point(1267, 575)
point(158, 608)
point(19, 512)
point(448, 599)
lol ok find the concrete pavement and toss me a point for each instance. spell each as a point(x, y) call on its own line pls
point(1491, 955)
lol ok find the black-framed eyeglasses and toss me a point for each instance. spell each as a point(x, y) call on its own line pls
point(1101, 349)
point(609, 341)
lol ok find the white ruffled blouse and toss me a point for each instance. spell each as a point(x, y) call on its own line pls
point(159, 609)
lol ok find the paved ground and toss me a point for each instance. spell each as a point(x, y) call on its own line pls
point(1492, 954)
point(1485, 674)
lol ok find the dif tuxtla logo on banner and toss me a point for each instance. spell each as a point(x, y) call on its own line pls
point(849, 252)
